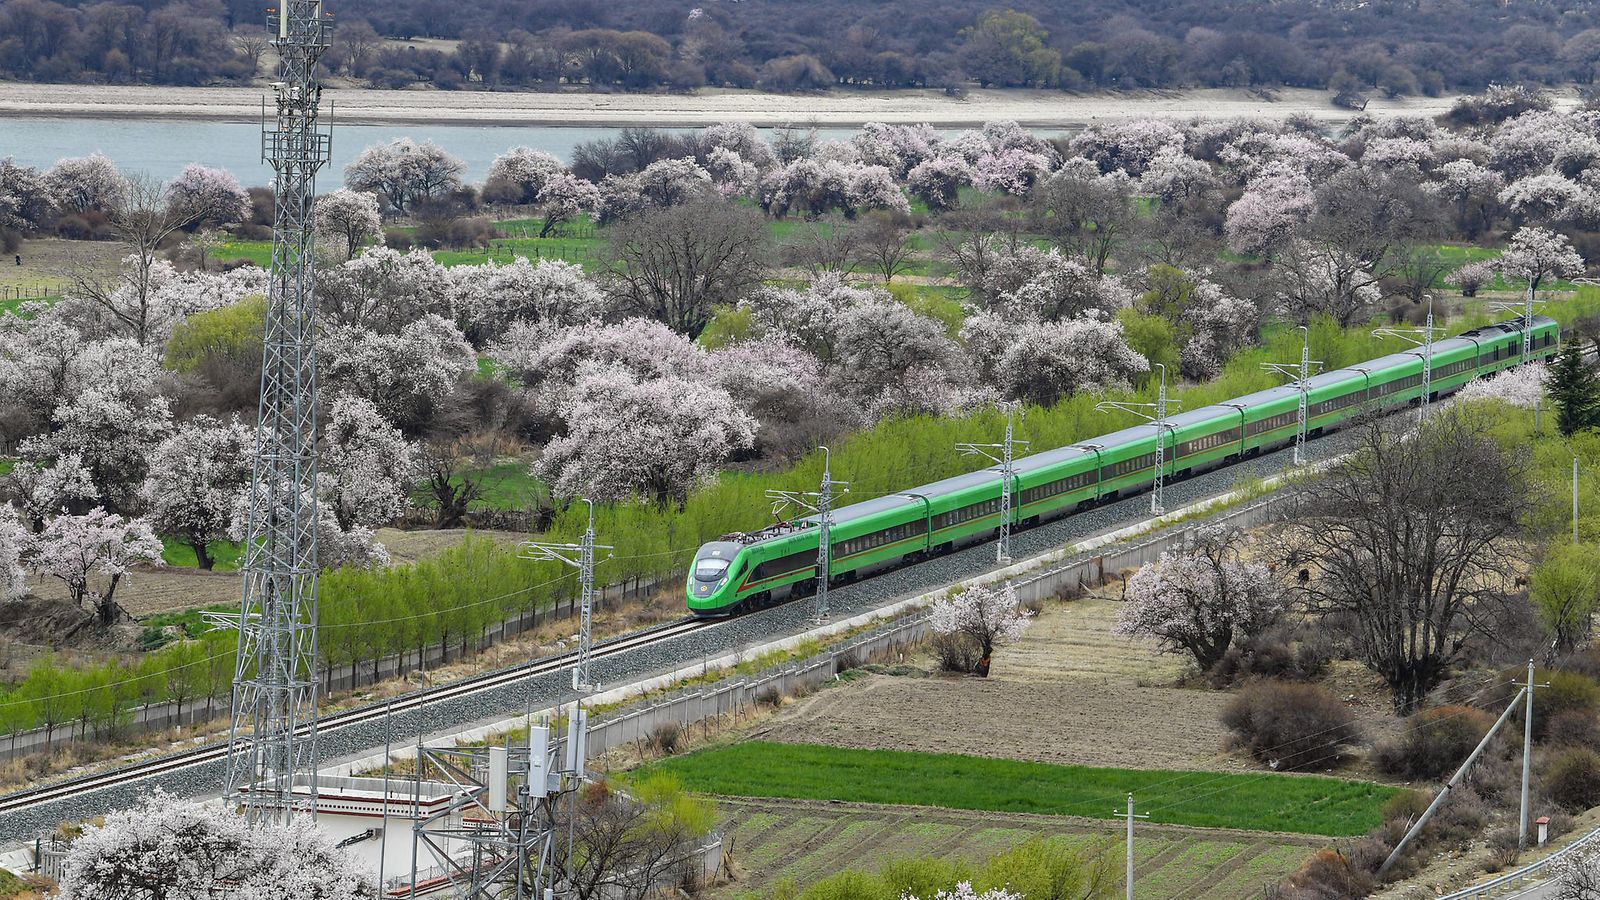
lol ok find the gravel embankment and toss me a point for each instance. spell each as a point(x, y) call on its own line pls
point(546, 690)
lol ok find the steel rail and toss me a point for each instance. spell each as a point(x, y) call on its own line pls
point(416, 700)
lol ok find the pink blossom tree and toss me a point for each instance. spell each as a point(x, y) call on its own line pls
point(1011, 171)
point(78, 549)
point(1173, 176)
point(1042, 362)
point(873, 187)
point(938, 181)
point(1543, 198)
point(898, 148)
point(1130, 147)
point(1472, 276)
point(348, 220)
point(207, 196)
point(181, 850)
point(1200, 600)
point(194, 476)
point(733, 175)
point(657, 438)
point(987, 617)
point(551, 361)
point(1536, 254)
point(1266, 218)
point(740, 138)
point(893, 361)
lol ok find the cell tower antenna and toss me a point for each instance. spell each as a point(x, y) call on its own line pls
point(272, 741)
point(1001, 454)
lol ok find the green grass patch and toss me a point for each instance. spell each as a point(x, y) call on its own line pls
point(258, 252)
point(6, 465)
point(1260, 802)
point(224, 554)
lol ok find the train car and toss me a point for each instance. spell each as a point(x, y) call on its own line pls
point(749, 570)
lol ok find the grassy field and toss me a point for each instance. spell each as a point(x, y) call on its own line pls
point(1261, 802)
point(224, 554)
point(788, 841)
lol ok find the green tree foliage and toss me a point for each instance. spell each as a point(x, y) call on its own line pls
point(1575, 390)
point(1039, 869)
point(1565, 590)
point(1008, 48)
point(1153, 337)
point(232, 332)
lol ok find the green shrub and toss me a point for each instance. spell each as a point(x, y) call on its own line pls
point(1434, 744)
point(1406, 806)
point(1572, 778)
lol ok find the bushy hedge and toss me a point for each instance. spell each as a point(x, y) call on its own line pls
point(1434, 744)
point(1291, 726)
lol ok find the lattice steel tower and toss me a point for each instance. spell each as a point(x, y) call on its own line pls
point(272, 742)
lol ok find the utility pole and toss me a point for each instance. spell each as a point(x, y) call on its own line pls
point(1130, 817)
point(1421, 337)
point(581, 557)
point(819, 502)
point(1301, 382)
point(1156, 414)
point(1007, 472)
point(1525, 310)
point(272, 735)
point(1527, 754)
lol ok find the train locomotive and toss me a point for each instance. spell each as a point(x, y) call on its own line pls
point(749, 570)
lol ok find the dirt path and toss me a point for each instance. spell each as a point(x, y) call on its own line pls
point(1068, 693)
point(1038, 109)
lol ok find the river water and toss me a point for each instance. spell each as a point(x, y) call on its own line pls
point(163, 148)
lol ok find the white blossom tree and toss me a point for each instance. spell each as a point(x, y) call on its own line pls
point(1200, 600)
point(44, 490)
point(563, 198)
point(367, 466)
point(1536, 254)
point(519, 175)
point(489, 299)
point(348, 220)
point(403, 172)
point(654, 438)
point(175, 849)
point(1011, 171)
point(989, 617)
point(1042, 362)
point(383, 289)
point(208, 196)
point(1130, 147)
point(86, 183)
point(14, 540)
point(965, 891)
point(25, 198)
point(403, 374)
point(1522, 386)
point(194, 476)
point(98, 544)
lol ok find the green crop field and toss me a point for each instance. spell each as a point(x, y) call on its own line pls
point(777, 841)
point(1255, 802)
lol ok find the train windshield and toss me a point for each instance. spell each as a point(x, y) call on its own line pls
point(710, 568)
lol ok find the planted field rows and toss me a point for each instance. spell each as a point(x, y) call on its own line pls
point(804, 841)
point(1258, 802)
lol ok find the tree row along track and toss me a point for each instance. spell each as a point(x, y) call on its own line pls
point(545, 683)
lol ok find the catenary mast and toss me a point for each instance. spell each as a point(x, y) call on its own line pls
point(272, 741)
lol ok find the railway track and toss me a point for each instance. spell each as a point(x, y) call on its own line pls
point(213, 752)
point(198, 756)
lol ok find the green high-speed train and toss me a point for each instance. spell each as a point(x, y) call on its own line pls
point(747, 570)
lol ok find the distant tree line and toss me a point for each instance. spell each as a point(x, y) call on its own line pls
point(1386, 46)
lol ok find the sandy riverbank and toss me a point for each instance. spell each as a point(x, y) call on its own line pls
point(1037, 109)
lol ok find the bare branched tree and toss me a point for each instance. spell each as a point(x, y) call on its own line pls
point(625, 846)
point(880, 243)
point(1407, 542)
point(144, 221)
point(674, 265)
